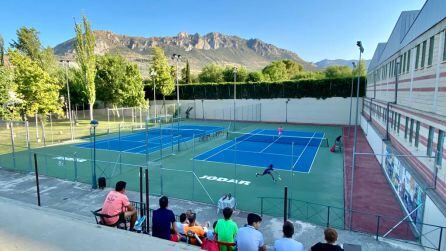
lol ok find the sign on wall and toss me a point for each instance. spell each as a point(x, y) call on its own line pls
point(406, 187)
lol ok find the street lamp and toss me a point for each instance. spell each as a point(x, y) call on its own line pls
point(66, 64)
point(351, 99)
point(361, 50)
point(235, 90)
point(153, 75)
point(177, 58)
point(94, 124)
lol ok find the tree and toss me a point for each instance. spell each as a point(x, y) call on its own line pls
point(39, 90)
point(163, 78)
point(85, 57)
point(28, 42)
point(275, 71)
point(337, 71)
point(360, 68)
point(211, 73)
point(292, 67)
point(309, 75)
point(2, 51)
point(9, 99)
point(254, 76)
point(228, 74)
point(185, 73)
point(118, 82)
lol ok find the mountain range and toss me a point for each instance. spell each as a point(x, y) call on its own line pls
point(214, 47)
point(341, 62)
point(199, 50)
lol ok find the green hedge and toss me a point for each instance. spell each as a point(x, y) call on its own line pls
point(320, 89)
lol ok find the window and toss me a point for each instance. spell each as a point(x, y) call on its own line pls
point(444, 46)
point(411, 131)
point(399, 123)
point(406, 127)
point(431, 50)
point(417, 57)
point(430, 139)
point(417, 134)
point(440, 147)
point(408, 61)
point(423, 54)
point(399, 65)
point(404, 62)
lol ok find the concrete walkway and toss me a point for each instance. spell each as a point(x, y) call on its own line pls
point(77, 200)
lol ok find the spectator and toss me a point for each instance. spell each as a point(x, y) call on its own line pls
point(163, 220)
point(210, 234)
point(226, 228)
point(183, 222)
point(249, 238)
point(330, 236)
point(287, 243)
point(117, 204)
point(195, 228)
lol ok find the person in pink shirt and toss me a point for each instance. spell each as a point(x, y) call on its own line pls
point(117, 204)
point(280, 131)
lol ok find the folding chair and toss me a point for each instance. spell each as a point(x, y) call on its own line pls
point(99, 217)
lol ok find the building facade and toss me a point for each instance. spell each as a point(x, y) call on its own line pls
point(406, 98)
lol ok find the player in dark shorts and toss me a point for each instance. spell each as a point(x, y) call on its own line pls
point(269, 170)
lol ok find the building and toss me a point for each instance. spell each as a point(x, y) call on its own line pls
point(405, 104)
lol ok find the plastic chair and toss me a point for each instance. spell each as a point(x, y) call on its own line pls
point(121, 223)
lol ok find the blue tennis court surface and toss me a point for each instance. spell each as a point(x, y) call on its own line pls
point(154, 139)
point(293, 150)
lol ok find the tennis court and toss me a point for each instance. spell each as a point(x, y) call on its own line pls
point(154, 139)
point(292, 151)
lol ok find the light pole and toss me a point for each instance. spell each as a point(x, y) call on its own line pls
point(94, 124)
point(361, 50)
point(235, 90)
point(351, 100)
point(153, 75)
point(66, 64)
point(177, 58)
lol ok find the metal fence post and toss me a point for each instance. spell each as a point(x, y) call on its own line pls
point(140, 189)
point(75, 166)
point(328, 216)
point(28, 145)
point(11, 125)
point(261, 206)
point(285, 204)
point(147, 201)
point(377, 226)
point(36, 171)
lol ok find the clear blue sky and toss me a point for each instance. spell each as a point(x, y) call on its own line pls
point(314, 29)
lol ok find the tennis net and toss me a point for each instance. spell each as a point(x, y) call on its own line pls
point(296, 140)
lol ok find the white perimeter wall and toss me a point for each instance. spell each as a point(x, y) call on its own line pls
point(432, 214)
point(305, 110)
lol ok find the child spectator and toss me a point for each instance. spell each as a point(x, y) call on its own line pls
point(195, 228)
point(249, 238)
point(287, 243)
point(226, 228)
point(330, 236)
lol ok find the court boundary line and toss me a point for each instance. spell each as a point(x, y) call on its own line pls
point(232, 141)
point(314, 157)
point(303, 151)
point(227, 163)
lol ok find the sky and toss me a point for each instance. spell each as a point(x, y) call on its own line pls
point(314, 29)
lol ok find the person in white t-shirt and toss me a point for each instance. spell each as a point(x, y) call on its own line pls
point(287, 243)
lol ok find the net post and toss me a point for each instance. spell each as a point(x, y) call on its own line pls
point(292, 158)
point(36, 171)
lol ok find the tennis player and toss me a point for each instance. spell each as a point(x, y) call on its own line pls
point(280, 131)
point(269, 170)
